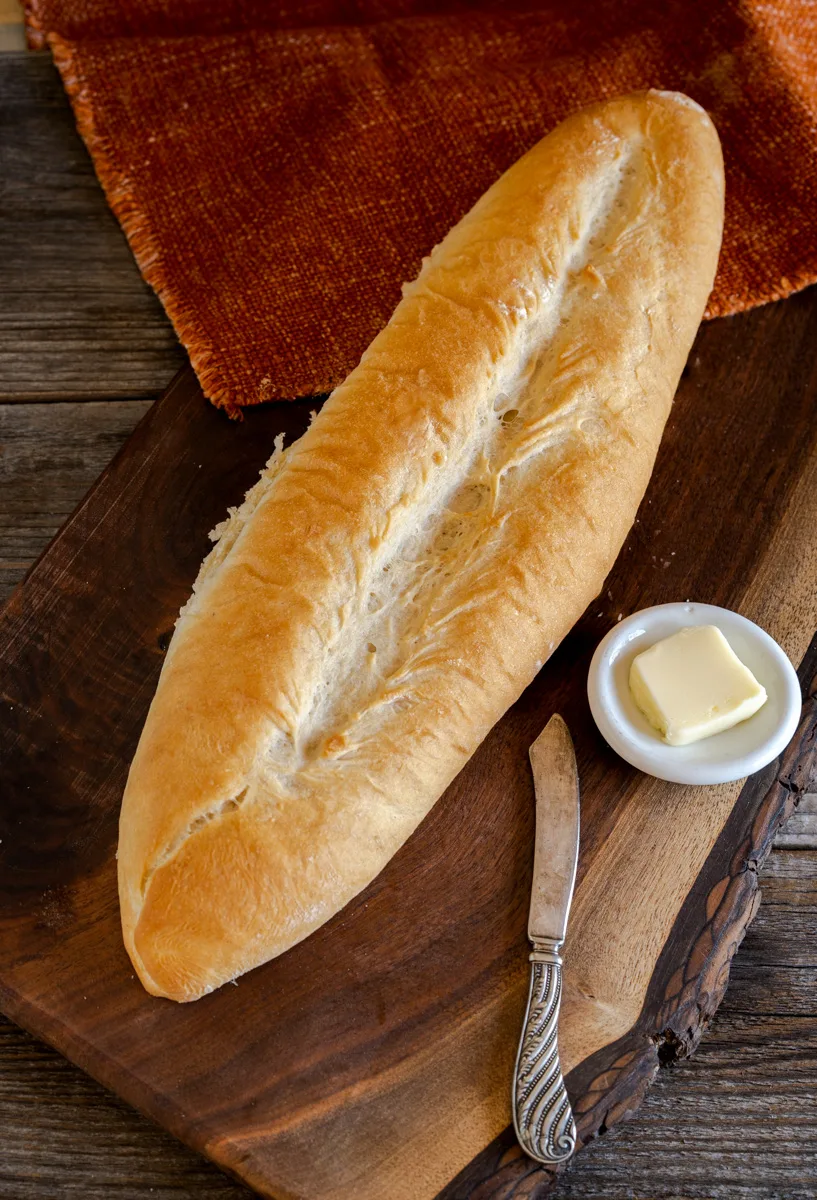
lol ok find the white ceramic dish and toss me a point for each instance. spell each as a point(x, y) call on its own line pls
point(736, 752)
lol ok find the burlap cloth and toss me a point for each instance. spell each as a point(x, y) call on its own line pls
point(280, 168)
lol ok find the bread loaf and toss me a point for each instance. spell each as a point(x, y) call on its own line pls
point(399, 574)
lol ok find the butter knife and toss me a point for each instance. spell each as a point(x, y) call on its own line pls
point(542, 1115)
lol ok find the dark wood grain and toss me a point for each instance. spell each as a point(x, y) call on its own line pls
point(738, 1121)
point(77, 320)
point(273, 1078)
point(62, 1132)
point(50, 454)
point(64, 1135)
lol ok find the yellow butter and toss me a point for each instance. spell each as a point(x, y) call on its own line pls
point(692, 685)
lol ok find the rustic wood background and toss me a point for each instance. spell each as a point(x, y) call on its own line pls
point(86, 346)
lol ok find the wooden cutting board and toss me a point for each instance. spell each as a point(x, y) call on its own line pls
point(375, 1058)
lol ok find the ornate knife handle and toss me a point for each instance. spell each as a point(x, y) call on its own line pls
point(542, 1115)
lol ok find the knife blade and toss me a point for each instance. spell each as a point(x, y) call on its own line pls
point(543, 1118)
point(556, 845)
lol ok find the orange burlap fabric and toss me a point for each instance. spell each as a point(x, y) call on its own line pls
point(281, 166)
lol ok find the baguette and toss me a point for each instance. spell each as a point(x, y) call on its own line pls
point(398, 576)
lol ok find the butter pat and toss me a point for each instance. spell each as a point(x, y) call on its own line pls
point(692, 685)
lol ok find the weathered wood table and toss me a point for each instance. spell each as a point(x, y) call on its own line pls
point(84, 347)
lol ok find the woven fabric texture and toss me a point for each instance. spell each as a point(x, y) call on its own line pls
point(280, 168)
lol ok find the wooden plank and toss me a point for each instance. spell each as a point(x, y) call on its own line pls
point(700, 1132)
point(12, 32)
point(288, 1083)
point(61, 1130)
point(800, 833)
point(63, 1135)
point(76, 319)
point(50, 454)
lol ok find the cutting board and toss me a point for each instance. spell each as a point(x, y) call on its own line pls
point(374, 1060)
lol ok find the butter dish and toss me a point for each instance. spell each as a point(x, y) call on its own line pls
point(731, 754)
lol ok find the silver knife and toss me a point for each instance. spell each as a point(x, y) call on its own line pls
point(542, 1115)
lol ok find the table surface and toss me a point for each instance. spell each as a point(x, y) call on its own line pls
point(84, 349)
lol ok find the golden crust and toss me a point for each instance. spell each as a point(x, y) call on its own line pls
point(400, 574)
